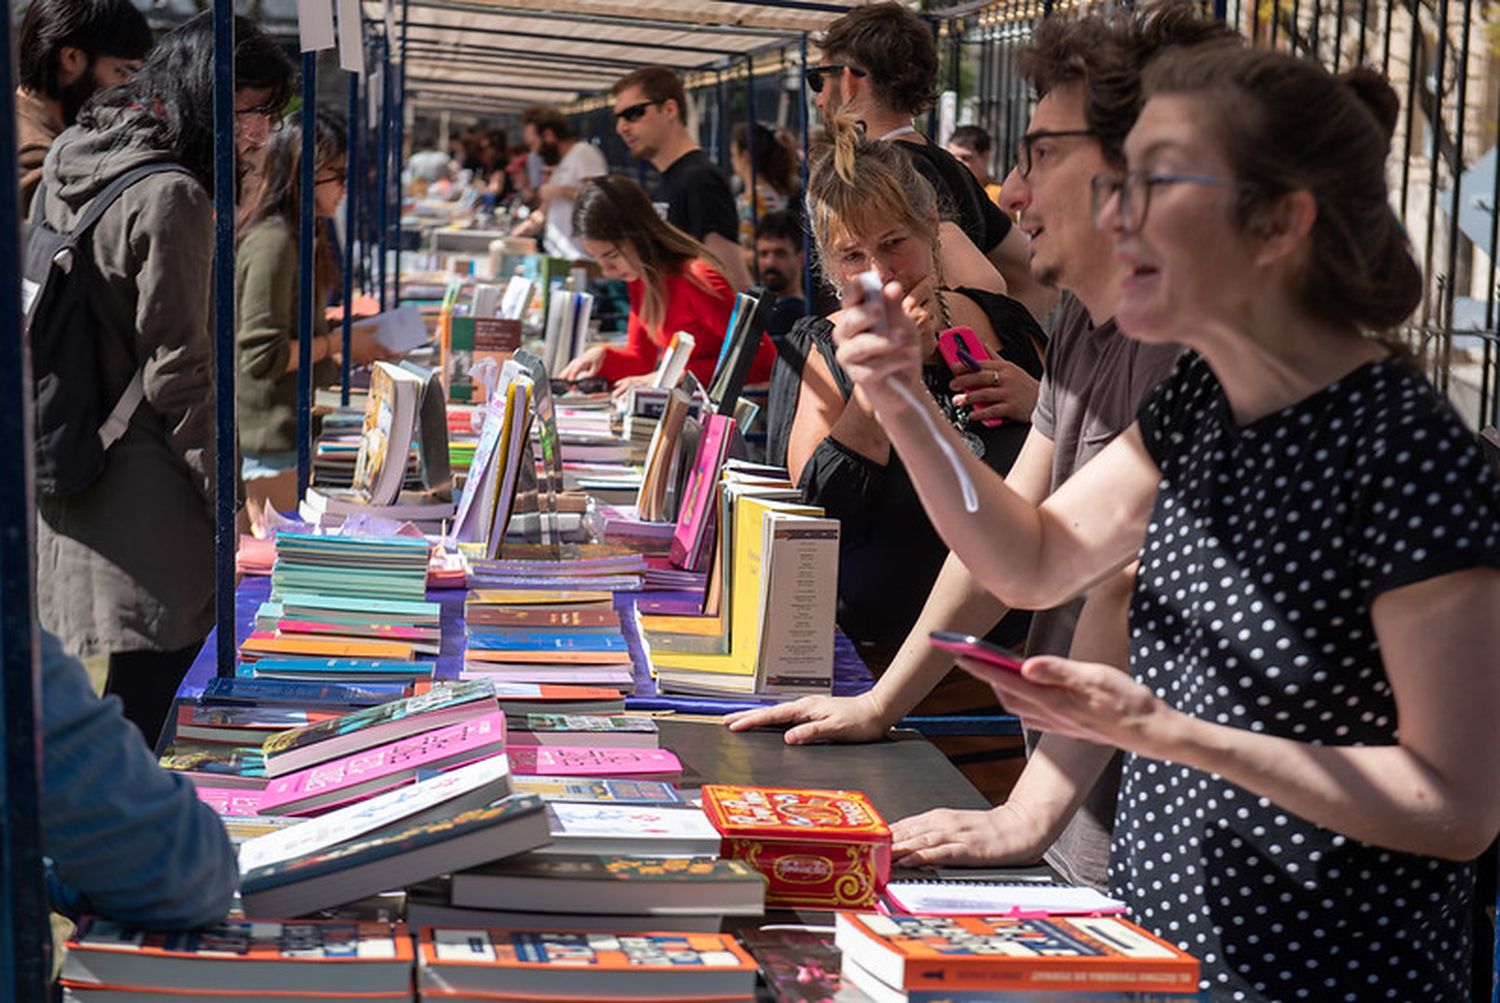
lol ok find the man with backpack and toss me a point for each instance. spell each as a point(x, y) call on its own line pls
point(125, 521)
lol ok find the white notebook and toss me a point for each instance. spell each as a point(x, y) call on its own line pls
point(963, 898)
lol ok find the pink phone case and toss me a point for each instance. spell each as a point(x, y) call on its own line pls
point(948, 342)
point(973, 647)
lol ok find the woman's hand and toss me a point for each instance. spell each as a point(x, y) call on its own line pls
point(921, 305)
point(943, 837)
point(1000, 389)
point(622, 386)
point(817, 719)
point(585, 366)
point(1085, 700)
point(879, 346)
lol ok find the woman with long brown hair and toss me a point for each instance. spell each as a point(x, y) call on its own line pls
point(675, 284)
point(266, 304)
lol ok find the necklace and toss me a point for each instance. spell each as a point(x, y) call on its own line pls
point(901, 130)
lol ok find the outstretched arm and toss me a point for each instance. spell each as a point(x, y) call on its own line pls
point(1030, 557)
point(1432, 792)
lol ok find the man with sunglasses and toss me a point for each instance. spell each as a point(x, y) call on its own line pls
point(68, 50)
point(880, 65)
point(1087, 75)
point(650, 109)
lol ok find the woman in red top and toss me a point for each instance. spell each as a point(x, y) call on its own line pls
point(674, 285)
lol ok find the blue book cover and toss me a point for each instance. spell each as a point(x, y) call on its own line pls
point(547, 642)
point(296, 693)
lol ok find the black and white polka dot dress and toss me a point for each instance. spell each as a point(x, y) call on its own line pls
point(1265, 549)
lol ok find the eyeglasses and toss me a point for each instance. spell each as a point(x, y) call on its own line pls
point(1134, 189)
point(1025, 153)
point(816, 74)
point(634, 112)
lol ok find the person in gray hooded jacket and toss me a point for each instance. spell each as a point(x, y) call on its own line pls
point(125, 566)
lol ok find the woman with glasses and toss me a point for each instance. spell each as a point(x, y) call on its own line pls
point(870, 209)
point(267, 305)
point(125, 565)
point(674, 283)
point(1312, 755)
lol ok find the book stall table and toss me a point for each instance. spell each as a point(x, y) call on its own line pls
point(850, 676)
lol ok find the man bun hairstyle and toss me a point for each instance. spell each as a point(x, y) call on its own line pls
point(1286, 124)
point(894, 47)
point(658, 83)
point(1106, 54)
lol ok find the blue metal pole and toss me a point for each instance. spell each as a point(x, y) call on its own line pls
point(807, 237)
point(308, 305)
point(750, 127)
point(351, 231)
point(382, 166)
point(224, 185)
point(400, 91)
point(25, 934)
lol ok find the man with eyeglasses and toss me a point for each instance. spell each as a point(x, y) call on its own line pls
point(68, 50)
point(650, 109)
point(880, 65)
point(1087, 75)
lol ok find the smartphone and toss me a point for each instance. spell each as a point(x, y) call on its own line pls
point(872, 297)
point(976, 648)
point(961, 348)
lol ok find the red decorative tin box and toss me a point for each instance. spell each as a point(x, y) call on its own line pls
point(817, 849)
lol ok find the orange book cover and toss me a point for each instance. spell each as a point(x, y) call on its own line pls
point(1004, 953)
point(574, 965)
point(264, 642)
point(817, 849)
point(546, 692)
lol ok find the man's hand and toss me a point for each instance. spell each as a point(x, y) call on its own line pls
point(1000, 389)
point(1001, 836)
point(818, 719)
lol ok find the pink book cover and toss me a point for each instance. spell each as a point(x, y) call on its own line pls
point(694, 534)
point(237, 801)
point(588, 761)
point(387, 765)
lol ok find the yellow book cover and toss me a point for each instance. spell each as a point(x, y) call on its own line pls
point(538, 597)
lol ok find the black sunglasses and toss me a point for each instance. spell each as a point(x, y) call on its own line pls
point(815, 74)
point(634, 112)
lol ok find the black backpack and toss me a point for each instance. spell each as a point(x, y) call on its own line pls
point(75, 425)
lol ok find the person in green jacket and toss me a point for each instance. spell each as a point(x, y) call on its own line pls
point(268, 298)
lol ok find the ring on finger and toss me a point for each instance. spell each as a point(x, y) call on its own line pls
point(995, 377)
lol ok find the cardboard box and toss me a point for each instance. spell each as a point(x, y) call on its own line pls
point(817, 849)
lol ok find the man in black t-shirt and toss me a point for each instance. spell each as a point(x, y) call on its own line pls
point(650, 109)
point(880, 65)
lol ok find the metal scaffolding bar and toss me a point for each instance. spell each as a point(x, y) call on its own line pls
point(226, 481)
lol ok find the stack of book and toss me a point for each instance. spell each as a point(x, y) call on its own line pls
point(554, 636)
point(894, 959)
point(445, 822)
point(239, 961)
point(766, 622)
point(365, 567)
point(338, 638)
point(489, 494)
point(581, 891)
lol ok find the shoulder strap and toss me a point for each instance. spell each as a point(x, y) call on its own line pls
point(115, 188)
point(119, 418)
